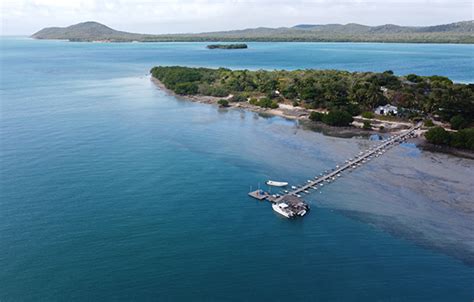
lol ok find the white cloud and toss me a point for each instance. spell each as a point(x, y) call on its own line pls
point(161, 16)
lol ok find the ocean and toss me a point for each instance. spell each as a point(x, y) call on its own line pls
point(110, 189)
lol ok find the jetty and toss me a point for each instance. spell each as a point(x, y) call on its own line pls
point(294, 195)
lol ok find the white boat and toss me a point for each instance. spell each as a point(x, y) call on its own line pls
point(277, 183)
point(293, 187)
point(281, 208)
point(302, 212)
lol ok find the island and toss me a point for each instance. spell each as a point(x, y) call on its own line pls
point(458, 32)
point(378, 101)
point(227, 46)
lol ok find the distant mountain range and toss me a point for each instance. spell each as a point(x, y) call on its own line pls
point(459, 32)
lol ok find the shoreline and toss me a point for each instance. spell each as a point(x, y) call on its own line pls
point(292, 113)
point(212, 100)
point(302, 115)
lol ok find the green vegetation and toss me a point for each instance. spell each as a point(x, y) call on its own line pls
point(338, 118)
point(238, 98)
point(341, 91)
point(264, 103)
point(227, 46)
point(367, 125)
point(461, 139)
point(438, 136)
point(428, 123)
point(368, 114)
point(316, 116)
point(223, 103)
point(458, 122)
point(186, 88)
point(459, 32)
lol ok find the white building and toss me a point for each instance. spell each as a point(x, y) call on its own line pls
point(386, 110)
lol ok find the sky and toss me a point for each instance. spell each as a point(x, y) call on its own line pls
point(24, 17)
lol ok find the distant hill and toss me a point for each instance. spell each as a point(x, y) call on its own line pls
point(459, 32)
point(86, 31)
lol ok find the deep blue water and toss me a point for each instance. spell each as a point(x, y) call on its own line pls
point(112, 190)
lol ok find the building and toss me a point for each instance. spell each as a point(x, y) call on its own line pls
point(386, 110)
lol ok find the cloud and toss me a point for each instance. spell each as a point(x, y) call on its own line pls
point(161, 16)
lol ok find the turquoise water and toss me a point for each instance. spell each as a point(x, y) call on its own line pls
point(113, 190)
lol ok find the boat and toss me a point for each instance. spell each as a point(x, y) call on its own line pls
point(276, 183)
point(302, 213)
point(281, 208)
point(293, 187)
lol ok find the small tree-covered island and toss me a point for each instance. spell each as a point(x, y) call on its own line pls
point(227, 46)
point(368, 100)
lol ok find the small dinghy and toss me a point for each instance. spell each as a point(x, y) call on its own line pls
point(277, 183)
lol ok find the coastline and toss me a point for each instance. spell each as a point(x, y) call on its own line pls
point(302, 115)
point(294, 113)
point(212, 100)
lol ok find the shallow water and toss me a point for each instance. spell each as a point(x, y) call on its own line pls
point(111, 189)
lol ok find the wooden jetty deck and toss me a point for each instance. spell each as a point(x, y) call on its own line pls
point(333, 174)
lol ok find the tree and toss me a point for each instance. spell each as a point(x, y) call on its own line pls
point(438, 136)
point(223, 103)
point(338, 118)
point(316, 116)
point(458, 122)
point(238, 98)
point(186, 88)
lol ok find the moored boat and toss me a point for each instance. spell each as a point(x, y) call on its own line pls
point(281, 208)
point(276, 183)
